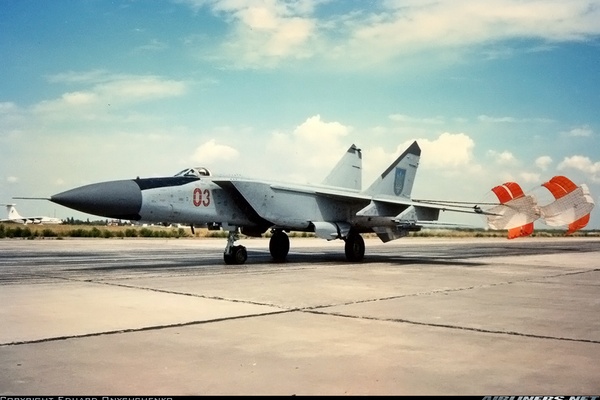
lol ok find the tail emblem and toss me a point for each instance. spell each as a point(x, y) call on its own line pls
point(399, 181)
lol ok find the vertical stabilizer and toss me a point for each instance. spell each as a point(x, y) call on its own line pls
point(347, 173)
point(12, 212)
point(398, 179)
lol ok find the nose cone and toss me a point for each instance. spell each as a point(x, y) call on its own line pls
point(115, 199)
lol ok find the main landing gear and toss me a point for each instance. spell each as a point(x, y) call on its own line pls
point(355, 247)
point(279, 246)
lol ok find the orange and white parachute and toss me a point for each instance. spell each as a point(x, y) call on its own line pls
point(517, 211)
point(572, 206)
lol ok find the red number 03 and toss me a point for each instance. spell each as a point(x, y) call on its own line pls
point(201, 197)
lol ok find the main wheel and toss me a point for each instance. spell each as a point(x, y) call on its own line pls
point(279, 245)
point(355, 247)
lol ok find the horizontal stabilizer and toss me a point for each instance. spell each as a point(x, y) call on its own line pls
point(419, 213)
point(388, 233)
point(381, 209)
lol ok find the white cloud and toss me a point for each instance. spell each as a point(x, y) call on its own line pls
point(583, 164)
point(212, 151)
point(530, 177)
point(79, 98)
point(263, 32)
point(504, 157)
point(12, 120)
point(303, 154)
point(79, 77)
point(418, 25)
point(489, 119)
point(153, 45)
point(582, 131)
point(12, 179)
point(543, 162)
point(310, 149)
point(314, 131)
point(118, 90)
point(8, 107)
point(448, 150)
point(141, 88)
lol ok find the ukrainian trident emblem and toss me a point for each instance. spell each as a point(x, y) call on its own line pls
point(399, 181)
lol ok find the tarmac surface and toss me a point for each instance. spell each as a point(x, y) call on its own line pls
point(418, 317)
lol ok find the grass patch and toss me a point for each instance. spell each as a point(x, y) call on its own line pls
point(12, 230)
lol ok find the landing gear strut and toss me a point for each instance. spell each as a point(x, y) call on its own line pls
point(279, 245)
point(234, 254)
point(355, 247)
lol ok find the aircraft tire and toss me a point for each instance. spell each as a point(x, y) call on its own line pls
point(279, 246)
point(355, 247)
point(238, 255)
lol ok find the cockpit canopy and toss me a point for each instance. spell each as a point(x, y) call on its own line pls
point(194, 172)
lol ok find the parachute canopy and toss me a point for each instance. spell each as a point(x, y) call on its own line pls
point(517, 210)
point(572, 207)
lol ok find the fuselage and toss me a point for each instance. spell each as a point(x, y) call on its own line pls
point(205, 200)
point(168, 199)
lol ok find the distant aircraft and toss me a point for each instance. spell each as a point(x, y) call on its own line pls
point(336, 209)
point(14, 216)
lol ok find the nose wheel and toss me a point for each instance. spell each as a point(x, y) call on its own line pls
point(238, 255)
point(234, 254)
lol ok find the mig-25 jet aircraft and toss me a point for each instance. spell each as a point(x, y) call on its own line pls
point(336, 209)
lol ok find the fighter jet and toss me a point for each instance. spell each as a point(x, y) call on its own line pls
point(336, 209)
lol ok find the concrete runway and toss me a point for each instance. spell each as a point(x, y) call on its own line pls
point(417, 317)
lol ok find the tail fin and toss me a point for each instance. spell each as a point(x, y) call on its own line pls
point(347, 173)
point(398, 179)
point(12, 212)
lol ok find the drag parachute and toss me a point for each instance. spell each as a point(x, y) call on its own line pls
point(517, 211)
point(572, 206)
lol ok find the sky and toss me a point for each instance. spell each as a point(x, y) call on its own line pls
point(494, 92)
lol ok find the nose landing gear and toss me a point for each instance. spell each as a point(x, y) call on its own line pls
point(234, 254)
